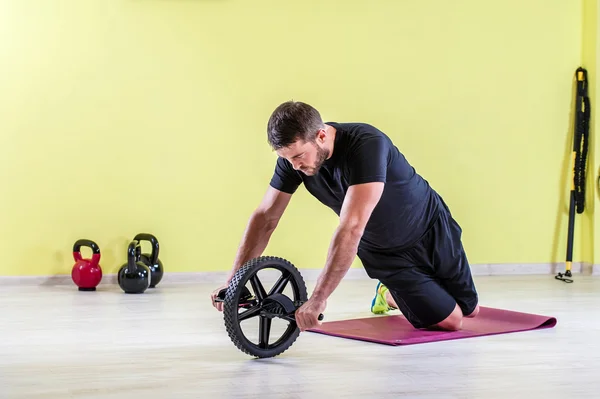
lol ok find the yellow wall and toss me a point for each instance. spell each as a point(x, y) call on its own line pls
point(125, 116)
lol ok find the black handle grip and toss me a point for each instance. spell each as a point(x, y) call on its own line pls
point(86, 243)
point(221, 295)
point(152, 239)
point(132, 251)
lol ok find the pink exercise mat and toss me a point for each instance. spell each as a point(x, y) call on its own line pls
point(396, 330)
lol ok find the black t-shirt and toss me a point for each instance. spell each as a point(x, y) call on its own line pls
point(362, 154)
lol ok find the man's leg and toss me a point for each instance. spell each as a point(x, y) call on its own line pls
point(459, 290)
point(408, 282)
point(452, 267)
point(432, 284)
point(474, 313)
point(422, 300)
point(432, 314)
point(390, 304)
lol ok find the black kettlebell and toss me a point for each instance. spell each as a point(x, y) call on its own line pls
point(134, 276)
point(151, 260)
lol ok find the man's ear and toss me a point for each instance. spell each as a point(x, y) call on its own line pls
point(321, 136)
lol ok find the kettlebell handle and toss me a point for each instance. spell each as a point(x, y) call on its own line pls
point(133, 252)
point(153, 241)
point(86, 243)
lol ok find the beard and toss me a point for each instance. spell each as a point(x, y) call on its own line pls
point(322, 154)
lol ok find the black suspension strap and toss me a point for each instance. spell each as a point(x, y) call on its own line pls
point(580, 150)
point(582, 131)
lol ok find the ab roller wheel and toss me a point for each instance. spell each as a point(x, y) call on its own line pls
point(243, 309)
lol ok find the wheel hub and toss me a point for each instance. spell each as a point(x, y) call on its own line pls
point(277, 305)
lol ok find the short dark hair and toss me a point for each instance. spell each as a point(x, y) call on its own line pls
point(293, 120)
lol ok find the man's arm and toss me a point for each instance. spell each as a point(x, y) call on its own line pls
point(260, 227)
point(358, 206)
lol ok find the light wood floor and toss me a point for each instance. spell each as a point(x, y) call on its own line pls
point(57, 342)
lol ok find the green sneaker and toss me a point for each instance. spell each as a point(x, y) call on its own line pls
point(379, 304)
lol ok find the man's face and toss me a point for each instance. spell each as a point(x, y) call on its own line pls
point(307, 157)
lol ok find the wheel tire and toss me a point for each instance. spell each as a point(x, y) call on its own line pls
point(232, 296)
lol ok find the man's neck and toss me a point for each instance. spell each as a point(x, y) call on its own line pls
point(331, 132)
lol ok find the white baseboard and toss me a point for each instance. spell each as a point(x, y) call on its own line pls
point(312, 274)
point(532, 268)
point(168, 278)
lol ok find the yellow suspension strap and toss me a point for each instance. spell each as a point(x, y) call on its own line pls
point(579, 157)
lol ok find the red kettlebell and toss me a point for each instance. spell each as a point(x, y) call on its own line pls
point(86, 273)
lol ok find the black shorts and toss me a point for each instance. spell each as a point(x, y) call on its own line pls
point(428, 279)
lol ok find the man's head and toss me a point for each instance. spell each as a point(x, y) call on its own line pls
point(297, 133)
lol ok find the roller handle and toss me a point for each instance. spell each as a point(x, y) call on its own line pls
point(221, 297)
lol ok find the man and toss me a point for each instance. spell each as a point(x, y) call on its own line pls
point(400, 228)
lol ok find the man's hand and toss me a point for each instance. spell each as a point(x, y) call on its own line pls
point(213, 296)
point(307, 315)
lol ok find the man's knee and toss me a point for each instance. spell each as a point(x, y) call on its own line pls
point(455, 320)
point(474, 312)
point(452, 322)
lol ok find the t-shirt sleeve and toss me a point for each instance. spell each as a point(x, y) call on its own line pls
point(368, 161)
point(285, 178)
